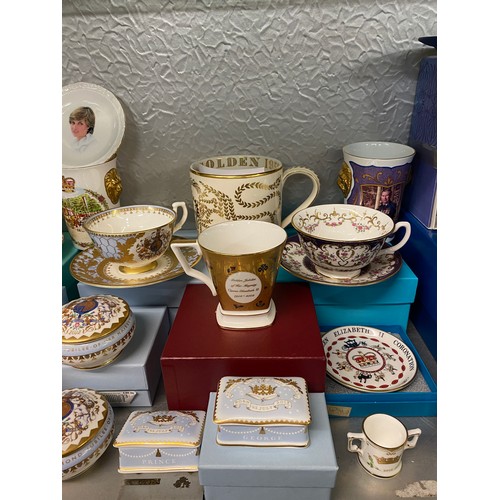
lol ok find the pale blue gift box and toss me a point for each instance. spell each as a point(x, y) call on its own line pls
point(133, 378)
point(254, 473)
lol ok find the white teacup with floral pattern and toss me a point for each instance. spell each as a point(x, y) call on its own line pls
point(342, 239)
point(135, 236)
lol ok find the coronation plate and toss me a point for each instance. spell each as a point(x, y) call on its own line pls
point(296, 262)
point(106, 113)
point(368, 359)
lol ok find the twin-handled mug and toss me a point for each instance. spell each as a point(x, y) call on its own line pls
point(135, 236)
point(382, 442)
point(243, 259)
point(243, 187)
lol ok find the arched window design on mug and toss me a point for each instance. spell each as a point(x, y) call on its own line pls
point(383, 198)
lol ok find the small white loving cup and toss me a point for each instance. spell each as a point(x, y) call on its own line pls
point(382, 442)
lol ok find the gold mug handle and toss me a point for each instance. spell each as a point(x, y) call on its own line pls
point(194, 273)
point(344, 179)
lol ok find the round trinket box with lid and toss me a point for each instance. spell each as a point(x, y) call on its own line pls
point(95, 330)
point(88, 424)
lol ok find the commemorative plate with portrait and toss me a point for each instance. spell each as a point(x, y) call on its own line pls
point(93, 124)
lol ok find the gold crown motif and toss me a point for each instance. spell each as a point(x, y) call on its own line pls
point(163, 419)
point(68, 184)
point(262, 390)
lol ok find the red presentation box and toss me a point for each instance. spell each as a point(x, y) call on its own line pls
point(198, 352)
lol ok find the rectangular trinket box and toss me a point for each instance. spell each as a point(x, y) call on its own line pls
point(160, 441)
point(262, 411)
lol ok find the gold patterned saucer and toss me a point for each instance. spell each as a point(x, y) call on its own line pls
point(295, 261)
point(91, 268)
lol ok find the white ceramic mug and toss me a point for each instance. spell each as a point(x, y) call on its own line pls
point(243, 258)
point(243, 187)
point(382, 442)
point(374, 174)
point(87, 191)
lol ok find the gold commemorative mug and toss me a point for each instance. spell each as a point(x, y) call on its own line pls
point(243, 187)
point(243, 259)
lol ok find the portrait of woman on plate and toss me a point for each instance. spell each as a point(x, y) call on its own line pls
point(82, 123)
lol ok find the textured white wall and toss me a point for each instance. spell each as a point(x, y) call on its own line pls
point(291, 79)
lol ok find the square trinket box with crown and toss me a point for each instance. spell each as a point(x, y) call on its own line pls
point(160, 441)
point(262, 411)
